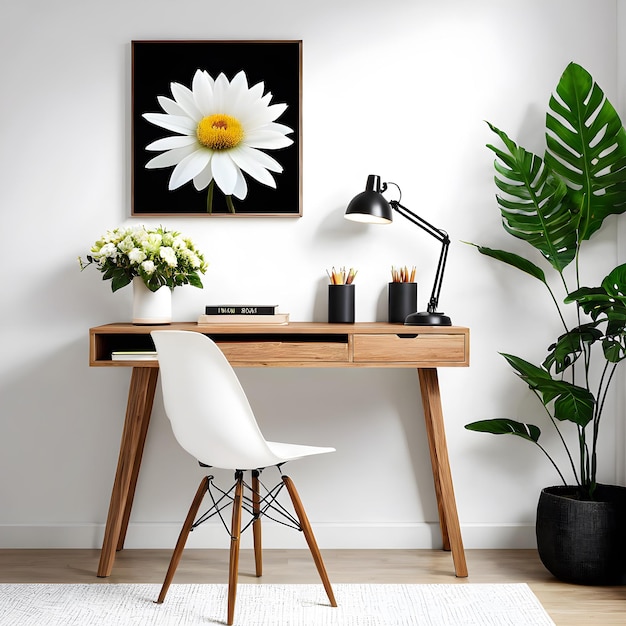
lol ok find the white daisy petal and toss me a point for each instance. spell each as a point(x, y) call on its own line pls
point(260, 116)
point(267, 139)
point(176, 141)
point(170, 106)
point(189, 167)
point(219, 90)
point(185, 99)
point(224, 172)
point(263, 159)
point(251, 166)
point(177, 123)
point(240, 82)
point(203, 91)
point(201, 181)
point(256, 92)
point(241, 186)
point(276, 110)
point(250, 100)
point(169, 158)
point(235, 96)
point(279, 128)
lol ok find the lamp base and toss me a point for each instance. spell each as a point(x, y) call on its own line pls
point(427, 319)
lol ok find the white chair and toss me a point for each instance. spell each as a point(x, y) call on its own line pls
point(213, 421)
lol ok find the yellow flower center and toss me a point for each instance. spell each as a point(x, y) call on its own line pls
point(219, 131)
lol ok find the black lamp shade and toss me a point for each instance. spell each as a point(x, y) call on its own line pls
point(370, 205)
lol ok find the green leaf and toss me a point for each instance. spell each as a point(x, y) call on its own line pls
point(534, 207)
point(614, 349)
point(605, 302)
point(119, 279)
point(615, 283)
point(153, 282)
point(515, 260)
point(586, 147)
point(109, 272)
point(535, 377)
point(195, 280)
point(505, 426)
point(569, 347)
point(530, 373)
point(573, 404)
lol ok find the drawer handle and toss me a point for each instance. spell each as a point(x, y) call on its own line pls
point(408, 336)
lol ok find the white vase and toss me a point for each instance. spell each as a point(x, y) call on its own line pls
point(151, 307)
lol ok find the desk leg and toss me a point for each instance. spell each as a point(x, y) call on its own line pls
point(444, 490)
point(138, 410)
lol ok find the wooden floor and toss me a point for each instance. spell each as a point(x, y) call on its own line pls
point(568, 605)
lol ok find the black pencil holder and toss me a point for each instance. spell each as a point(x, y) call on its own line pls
point(402, 301)
point(341, 304)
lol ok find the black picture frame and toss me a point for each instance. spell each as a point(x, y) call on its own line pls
point(156, 64)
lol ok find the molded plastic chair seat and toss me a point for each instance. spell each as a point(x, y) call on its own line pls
point(211, 419)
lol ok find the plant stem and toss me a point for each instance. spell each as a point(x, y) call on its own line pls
point(558, 430)
point(584, 456)
point(556, 304)
point(556, 467)
point(603, 389)
point(209, 197)
point(229, 204)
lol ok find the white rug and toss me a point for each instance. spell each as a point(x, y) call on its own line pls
point(107, 604)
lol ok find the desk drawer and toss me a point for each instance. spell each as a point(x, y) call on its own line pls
point(415, 348)
point(284, 351)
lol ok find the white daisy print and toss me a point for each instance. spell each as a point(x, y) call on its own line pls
point(222, 130)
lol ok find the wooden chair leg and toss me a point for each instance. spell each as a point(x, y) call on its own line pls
point(182, 538)
point(310, 538)
point(234, 549)
point(256, 525)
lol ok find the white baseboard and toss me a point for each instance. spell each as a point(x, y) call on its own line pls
point(329, 536)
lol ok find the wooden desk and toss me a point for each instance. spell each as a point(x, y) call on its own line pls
point(299, 344)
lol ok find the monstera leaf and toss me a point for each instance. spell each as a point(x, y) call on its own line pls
point(570, 346)
point(607, 303)
point(586, 147)
point(557, 202)
point(532, 203)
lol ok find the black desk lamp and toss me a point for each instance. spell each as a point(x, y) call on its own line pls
point(371, 206)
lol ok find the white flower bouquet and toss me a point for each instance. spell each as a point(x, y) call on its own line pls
point(159, 256)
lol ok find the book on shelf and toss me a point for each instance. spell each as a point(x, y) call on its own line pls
point(276, 318)
point(134, 355)
point(240, 309)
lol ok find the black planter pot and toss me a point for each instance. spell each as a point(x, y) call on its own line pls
point(580, 541)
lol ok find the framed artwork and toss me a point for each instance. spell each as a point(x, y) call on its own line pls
point(216, 128)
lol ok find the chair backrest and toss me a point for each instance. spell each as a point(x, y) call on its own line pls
point(208, 409)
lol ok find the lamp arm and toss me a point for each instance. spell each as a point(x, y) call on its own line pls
point(434, 296)
point(438, 234)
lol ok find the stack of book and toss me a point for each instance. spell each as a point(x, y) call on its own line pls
point(243, 314)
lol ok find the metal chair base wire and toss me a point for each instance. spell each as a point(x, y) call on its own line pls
point(256, 501)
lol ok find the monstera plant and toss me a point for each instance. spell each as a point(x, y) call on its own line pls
point(556, 204)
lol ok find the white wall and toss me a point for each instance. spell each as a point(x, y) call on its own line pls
point(400, 89)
